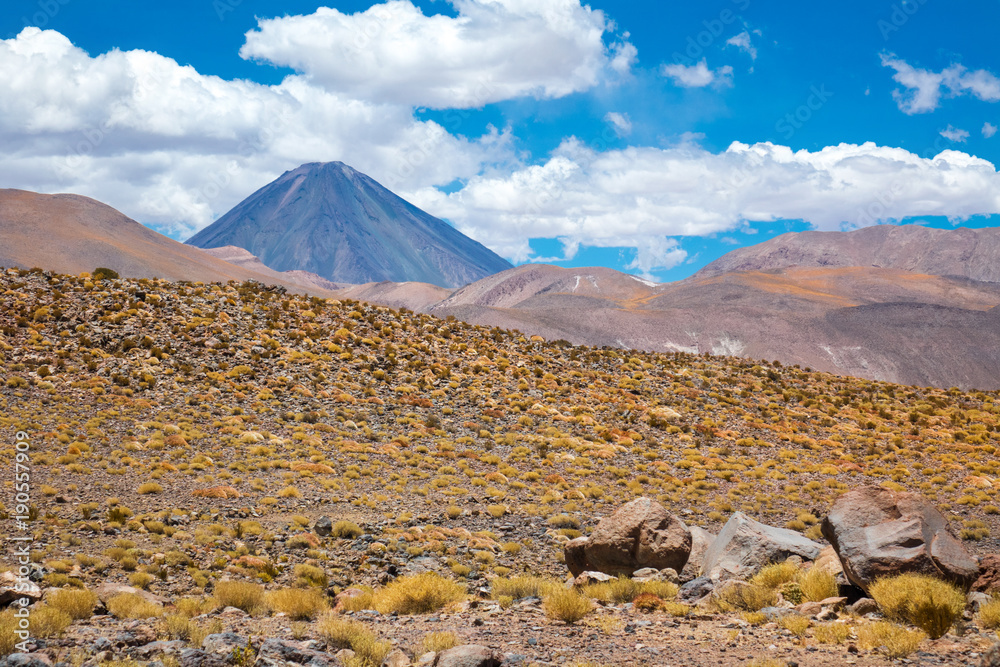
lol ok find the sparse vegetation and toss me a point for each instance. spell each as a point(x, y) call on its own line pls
point(192, 434)
point(924, 601)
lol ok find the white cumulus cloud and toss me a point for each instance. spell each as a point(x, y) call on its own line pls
point(638, 197)
point(493, 50)
point(955, 134)
point(168, 145)
point(698, 75)
point(923, 88)
point(989, 129)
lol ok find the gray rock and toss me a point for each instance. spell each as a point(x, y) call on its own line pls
point(279, 652)
point(149, 651)
point(324, 526)
point(863, 607)
point(775, 613)
point(695, 589)
point(977, 600)
point(880, 533)
point(28, 660)
point(224, 643)
point(701, 540)
point(744, 546)
point(469, 655)
point(194, 657)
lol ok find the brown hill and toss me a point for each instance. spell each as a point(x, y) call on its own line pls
point(875, 323)
point(71, 234)
point(972, 253)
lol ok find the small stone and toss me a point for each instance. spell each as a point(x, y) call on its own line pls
point(864, 606)
point(396, 658)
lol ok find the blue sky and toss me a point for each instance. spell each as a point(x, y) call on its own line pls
point(651, 137)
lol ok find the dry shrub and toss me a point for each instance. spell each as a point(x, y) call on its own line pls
point(895, 641)
point(797, 624)
point(832, 633)
point(989, 615)
point(133, 606)
point(648, 602)
point(318, 468)
point(48, 622)
point(340, 634)
point(745, 597)
point(79, 604)
point(221, 492)
point(623, 590)
point(346, 530)
point(149, 488)
point(438, 641)
point(192, 607)
point(8, 624)
point(567, 605)
point(242, 595)
point(929, 603)
point(818, 585)
point(419, 594)
point(297, 603)
point(522, 586)
point(774, 575)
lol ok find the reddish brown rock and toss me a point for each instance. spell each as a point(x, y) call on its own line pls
point(879, 533)
point(638, 535)
point(575, 555)
point(989, 575)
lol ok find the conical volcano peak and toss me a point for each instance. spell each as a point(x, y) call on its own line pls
point(332, 220)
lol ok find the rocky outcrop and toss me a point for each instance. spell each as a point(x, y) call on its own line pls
point(640, 534)
point(744, 546)
point(988, 580)
point(878, 533)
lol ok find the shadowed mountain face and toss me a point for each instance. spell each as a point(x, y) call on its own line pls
point(333, 221)
point(972, 253)
point(72, 234)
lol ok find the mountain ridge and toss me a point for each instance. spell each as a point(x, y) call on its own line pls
point(966, 252)
point(336, 222)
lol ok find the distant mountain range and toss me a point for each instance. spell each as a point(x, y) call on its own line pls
point(970, 253)
point(328, 219)
point(902, 304)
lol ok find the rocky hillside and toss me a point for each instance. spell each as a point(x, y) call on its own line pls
point(342, 225)
point(225, 457)
point(968, 253)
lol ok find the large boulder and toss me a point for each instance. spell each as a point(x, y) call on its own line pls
point(469, 655)
point(879, 533)
point(638, 535)
point(701, 540)
point(745, 546)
